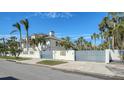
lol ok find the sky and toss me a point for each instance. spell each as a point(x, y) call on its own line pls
point(73, 24)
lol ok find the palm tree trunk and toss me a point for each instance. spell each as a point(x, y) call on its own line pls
point(4, 46)
point(20, 40)
point(27, 41)
point(113, 45)
point(95, 44)
point(123, 43)
point(113, 38)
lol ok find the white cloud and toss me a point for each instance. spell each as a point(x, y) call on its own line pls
point(10, 35)
point(51, 15)
point(58, 15)
point(74, 36)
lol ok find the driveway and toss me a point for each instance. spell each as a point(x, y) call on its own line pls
point(15, 71)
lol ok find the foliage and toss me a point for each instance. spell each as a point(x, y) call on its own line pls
point(82, 44)
point(66, 43)
point(18, 28)
point(38, 41)
point(25, 22)
point(3, 47)
point(112, 27)
point(51, 62)
point(13, 47)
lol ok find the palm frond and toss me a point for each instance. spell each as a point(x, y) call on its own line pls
point(17, 26)
point(13, 31)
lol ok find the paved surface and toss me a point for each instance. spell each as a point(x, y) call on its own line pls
point(13, 71)
point(88, 67)
point(118, 69)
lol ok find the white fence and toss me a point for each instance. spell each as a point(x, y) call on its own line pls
point(47, 54)
point(91, 55)
point(31, 54)
point(64, 54)
point(115, 55)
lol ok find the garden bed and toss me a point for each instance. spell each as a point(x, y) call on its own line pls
point(51, 62)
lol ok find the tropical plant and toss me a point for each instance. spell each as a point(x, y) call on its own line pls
point(38, 41)
point(95, 37)
point(25, 22)
point(66, 43)
point(113, 26)
point(80, 43)
point(3, 47)
point(13, 47)
point(18, 28)
point(2, 51)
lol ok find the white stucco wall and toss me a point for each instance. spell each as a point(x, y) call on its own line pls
point(69, 55)
point(35, 54)
point(114, 55)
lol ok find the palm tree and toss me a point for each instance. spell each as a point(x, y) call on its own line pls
point(81, 40)
point(92, 39)
point(4, 46)
point(101, 36)
point(95, 37)
point(105, 27)
point(66, 43)
point(81, 43)
point(42, 41)
point(38, 41)
point(111, 25)
point(25, 22)
point(18, 28)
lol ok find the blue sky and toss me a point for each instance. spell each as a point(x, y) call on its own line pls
point(73, 24)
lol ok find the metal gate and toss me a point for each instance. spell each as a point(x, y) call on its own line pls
point(90, 55)
point(47, 54)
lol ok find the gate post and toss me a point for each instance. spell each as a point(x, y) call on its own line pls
point(107, 56)
point(53, 54)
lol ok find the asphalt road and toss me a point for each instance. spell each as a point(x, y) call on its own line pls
point(15, 71)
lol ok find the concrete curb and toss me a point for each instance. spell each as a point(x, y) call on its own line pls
point(11, 60)
point(97, 75)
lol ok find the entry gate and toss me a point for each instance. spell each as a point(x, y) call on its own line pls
point(90, 55)
point(47, 54)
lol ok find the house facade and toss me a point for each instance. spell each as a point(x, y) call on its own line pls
point(52, 42)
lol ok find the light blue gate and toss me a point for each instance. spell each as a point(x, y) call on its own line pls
point(90, 55)
point(47, 54)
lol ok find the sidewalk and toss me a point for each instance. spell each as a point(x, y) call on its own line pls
point(86, 67)
point(91, 68)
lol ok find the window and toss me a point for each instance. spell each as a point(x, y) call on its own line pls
point(56, 43)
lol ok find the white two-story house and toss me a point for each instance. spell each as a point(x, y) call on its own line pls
point(52, 42)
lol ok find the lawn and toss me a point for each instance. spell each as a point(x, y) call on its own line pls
point(51, 62)
point(14, 58)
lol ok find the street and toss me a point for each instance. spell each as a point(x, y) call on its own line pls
point(15, 71)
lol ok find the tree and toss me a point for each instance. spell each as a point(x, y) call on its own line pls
point(25, 22)
point(38, 41)
point(13, 47)
point(18, 28)
point(66, 43)
point(80, 43)
point(88, 45)
point(113, 26)
point(94, 37)
point(3, 47)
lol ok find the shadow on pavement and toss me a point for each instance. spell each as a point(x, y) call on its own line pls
point(8, 78)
